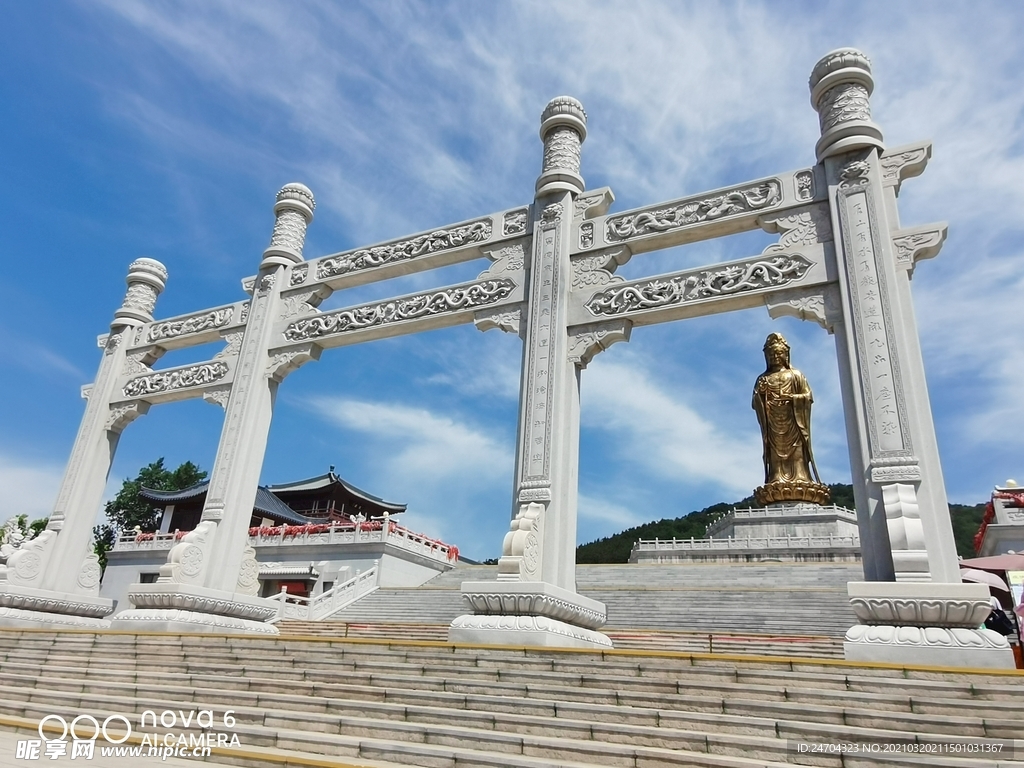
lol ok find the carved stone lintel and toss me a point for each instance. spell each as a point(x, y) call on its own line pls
point(507, 319)
point(902, 163)
point(176, 378)
point(597, 268)
point(754, 274)
point(912, 245)
point(819, 305)
point(202, 321)
point(299, 274)
point(396, 310)
point(218, 395)
point(284, 361)
point(404, 250)
point(585, 341)
point(124, 414)
point(696, 210)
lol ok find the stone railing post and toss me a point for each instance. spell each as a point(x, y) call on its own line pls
point(60, 561)
point(903, 515)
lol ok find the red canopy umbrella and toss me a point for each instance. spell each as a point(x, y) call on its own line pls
point(995, 563)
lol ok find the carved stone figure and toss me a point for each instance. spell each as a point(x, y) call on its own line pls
point(782, 400)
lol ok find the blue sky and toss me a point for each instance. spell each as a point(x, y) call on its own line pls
point(165, 129)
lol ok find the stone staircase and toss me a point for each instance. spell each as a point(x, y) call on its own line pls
point(657, 601)
point(319, 702)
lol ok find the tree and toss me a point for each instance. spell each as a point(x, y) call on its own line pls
point(127, 509)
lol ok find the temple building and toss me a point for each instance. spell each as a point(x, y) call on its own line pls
point(309, 536)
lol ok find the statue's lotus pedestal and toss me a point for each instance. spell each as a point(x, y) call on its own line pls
point(526, 613)
point(924, 623)
point(23, 607)
point(176, 607)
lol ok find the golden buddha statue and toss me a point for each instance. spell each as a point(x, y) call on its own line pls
point(782, 401)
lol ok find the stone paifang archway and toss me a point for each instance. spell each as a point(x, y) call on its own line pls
point(842, 260)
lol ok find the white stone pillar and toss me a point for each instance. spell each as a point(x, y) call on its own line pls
point(211, 577)
point(903, 515)
point(534, 601)
point(57, 571)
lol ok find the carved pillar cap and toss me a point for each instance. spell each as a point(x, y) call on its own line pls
point(293, 210)
point(563, 110)
point(146, 280)
point(563, 127)
point(840, 65)
point(841, 85)
point(296, 197)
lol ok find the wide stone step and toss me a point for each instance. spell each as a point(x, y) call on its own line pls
point(759, 695)
point(516, 733)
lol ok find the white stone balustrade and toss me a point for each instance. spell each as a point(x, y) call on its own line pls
point(330, 602)
point(336, 534)
point(774, 542)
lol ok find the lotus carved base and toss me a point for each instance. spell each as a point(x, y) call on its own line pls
point(789, 492)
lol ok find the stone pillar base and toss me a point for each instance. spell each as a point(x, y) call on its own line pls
point(933, 646)
point(524, 630)
point(528, 613)
point(924, 623)
point(32, 608)
point(174, 607)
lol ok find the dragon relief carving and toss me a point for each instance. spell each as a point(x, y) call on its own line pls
point(855, 173)
point(179, 378)
point(701, 284)
point(514, 222)
point(592, 204)
point(745, 199)
point(202, 321)
point(403, 250)
point(398, 310)
point(915, 245)
point(843, 103)
point(551, 213)
point(903, 164)
point(299, 273)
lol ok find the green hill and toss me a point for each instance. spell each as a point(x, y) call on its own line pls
point(616, 548)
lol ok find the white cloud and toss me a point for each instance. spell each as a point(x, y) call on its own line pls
point(27, 488)
point(654, 429)
point(607, 514)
